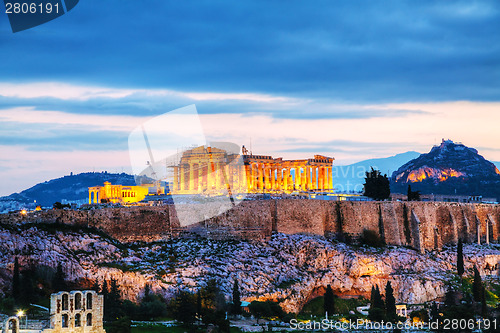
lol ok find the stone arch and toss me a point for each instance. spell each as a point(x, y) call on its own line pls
point(89, 301)
point(78, 301)
point(11, 325)
point(78, 320)
point(65, 320)
point(89, 319)
point(65, 302)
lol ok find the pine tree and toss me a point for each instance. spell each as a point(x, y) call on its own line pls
point(183, 308)
point(376, 185)
point(460, 258)
point(477, 286)
point(390, 302)
point(236, 307)
point(329, 301)
point(16, 281)
point(148, 295)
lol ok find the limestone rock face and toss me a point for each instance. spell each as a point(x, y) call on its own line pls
point(291, 269)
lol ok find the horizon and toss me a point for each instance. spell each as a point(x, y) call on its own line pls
point(311, 80)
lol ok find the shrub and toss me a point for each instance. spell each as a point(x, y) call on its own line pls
point(371, 238)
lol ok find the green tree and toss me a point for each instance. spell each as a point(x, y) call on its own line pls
point(329, 301)
point(58, 205)
point(105, 290)
point(390, 302)
point(484, 306)
point(16, 281)
point(28, 288)
point(122, 325)
point(112, 299)
point(371, 238)
point(236, 304)
point(477, 286)
point(413, 195)
point(59, 280)
point(460, 258)
point(266, 309)
point(198, 304)
point(376, 185)
point(96, 287)
point(434, 311)
point(183, 308)
point(377, 307)
point(151, 306)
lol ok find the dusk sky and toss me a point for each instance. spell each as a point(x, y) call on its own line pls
point(348, 79)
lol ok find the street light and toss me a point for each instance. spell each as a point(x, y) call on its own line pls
point(21, 314)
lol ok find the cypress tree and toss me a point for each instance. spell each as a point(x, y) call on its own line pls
point(16, 281)
point(484, 306)
point(434, 311)
point(95, 286)
point(377, 308)
point(329, 301)
point(104, 290)
point(198, 303)
point(477, 286)
point(59, 280)
point(378, 299)
point(390, 302)
point(112, 301)
point(236, 298)
point(372, 296)
point(460, 258)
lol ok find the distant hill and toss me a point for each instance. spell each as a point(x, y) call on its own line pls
point(72, 188)
point(450, 168)
point(352, 177)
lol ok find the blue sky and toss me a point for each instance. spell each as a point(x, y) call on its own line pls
point(351, 79)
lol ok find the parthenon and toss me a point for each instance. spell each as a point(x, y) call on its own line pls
point(209, 170)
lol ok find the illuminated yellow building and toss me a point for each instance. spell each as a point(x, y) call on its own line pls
point(208, 170)
point(118, 193)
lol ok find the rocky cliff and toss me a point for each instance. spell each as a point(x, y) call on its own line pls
point(420, 225)
point(290, 269)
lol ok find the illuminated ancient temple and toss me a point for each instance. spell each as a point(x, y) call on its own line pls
point(209, 170)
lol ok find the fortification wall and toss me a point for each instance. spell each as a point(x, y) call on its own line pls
point(422, 225)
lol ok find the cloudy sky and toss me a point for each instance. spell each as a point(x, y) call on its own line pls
point(348, 79)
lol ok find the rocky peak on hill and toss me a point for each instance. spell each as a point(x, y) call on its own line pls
point(450, 168)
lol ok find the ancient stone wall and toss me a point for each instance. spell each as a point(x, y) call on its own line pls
point(422, 225)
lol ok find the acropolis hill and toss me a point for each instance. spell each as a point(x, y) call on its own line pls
point(420, 225)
